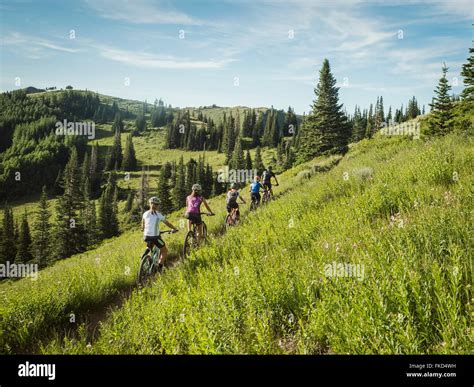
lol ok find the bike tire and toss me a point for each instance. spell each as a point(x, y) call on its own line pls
point(228, 221)
point(144, 270)
point(204, 231)
point(188, 243)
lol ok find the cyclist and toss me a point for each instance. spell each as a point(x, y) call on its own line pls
point(255, 188)
point(193, 209)
point(151, 230)
point(231, 200)
point(267, 177)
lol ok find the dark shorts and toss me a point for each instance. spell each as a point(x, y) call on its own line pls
point(154, 240)
point(267, 185)
point(255, 196)
point(194, 218)
point(230, 206)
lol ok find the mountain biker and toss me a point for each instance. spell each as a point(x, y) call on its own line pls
point(193, 209)
point(231, 200)
point(255, 188)
point(267, 177)
point(151, 230)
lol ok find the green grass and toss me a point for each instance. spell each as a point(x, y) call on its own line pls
point(262, 288)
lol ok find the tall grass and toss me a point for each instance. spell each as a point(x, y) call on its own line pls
point(391, 206)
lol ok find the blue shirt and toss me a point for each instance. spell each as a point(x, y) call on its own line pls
point(255, 187)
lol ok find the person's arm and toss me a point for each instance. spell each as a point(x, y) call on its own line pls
point(207, 205)
point(170, 225)
point(274, 176)
point(241, 198)
point(143, 224)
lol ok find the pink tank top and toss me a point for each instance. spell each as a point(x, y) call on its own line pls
point(194, 204)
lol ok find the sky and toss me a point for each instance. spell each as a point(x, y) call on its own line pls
point(236, 52)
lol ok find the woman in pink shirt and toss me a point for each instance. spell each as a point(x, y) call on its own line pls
point(193, 209)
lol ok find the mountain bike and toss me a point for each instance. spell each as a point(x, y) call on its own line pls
point(191, 241)
point(231, 219)
point(266, 196)
point(149, 261)
point(254, 203)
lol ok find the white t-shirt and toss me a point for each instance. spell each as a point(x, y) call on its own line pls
point(152, 222)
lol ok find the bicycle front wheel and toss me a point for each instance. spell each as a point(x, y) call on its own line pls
point(188, 243)
point(144, 270)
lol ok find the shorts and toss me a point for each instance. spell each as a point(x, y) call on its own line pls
point(194, 218)
point(230, 206)
point(267, 185)
point(255, 196)
point(154, 240)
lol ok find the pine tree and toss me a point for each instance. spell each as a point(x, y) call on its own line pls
point(129, 160)
point(8, 242)
point(89, 216)
point(68, 230)
point(369, 130)
point(94, 169)
point(179, 190)
point(358, 127)
point(23, 253)
point(258, 162)
point(41, 232)
point(248, 161)
point(468, 77)
point(166, 205)
point(115, 156)
point(238, 160)
point(129, 202)
point(439, 121)
point(326, 128)
point(108, 221)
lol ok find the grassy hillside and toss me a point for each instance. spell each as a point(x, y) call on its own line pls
point(264, 287)
point(391, 206)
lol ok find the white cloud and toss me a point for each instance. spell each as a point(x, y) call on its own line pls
point(146, 60)
point(141, 12)
point(33, 47)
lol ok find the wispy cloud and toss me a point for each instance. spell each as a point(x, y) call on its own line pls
point(33, 46)
point(141, 12)
point(151, 61)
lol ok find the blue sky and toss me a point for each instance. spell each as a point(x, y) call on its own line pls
point(250, 53)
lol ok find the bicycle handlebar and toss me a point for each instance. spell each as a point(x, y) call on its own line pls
point(168, 232)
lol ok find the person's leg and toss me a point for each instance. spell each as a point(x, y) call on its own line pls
point(189, 224)
point(163, 255)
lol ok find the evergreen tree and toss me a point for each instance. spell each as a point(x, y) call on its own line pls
point(248, 161)
point(358, 126)
point(258, 162)
point(129, 202)
point(115, 156)
point(468, 77)
point(108, 221)
point(179, 190)
point(23, 253)
point(439, 121)
point(238, 160)
point(89, 216)
point(94, 169)
point(166, 205)
point(326, 128)
point(41, 232)
point(8, 242)
point(370, 128)
point(129, 160)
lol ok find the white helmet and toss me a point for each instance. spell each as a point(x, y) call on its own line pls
point(197, 187)
point(154, 200)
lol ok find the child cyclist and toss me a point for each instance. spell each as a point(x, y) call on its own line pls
point(151, 229)
point(255, 188)
point(231, 200)
point(193, 209)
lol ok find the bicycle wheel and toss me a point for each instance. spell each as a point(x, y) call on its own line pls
point(253, 205)
point(188, 243)
point(204, 231)
point(144, 270)
point(228, 221)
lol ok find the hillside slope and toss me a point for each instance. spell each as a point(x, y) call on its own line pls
point(397, 210)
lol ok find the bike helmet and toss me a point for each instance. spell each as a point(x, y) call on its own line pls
point(234, 186)
point(154, 200)
point(197, 188)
